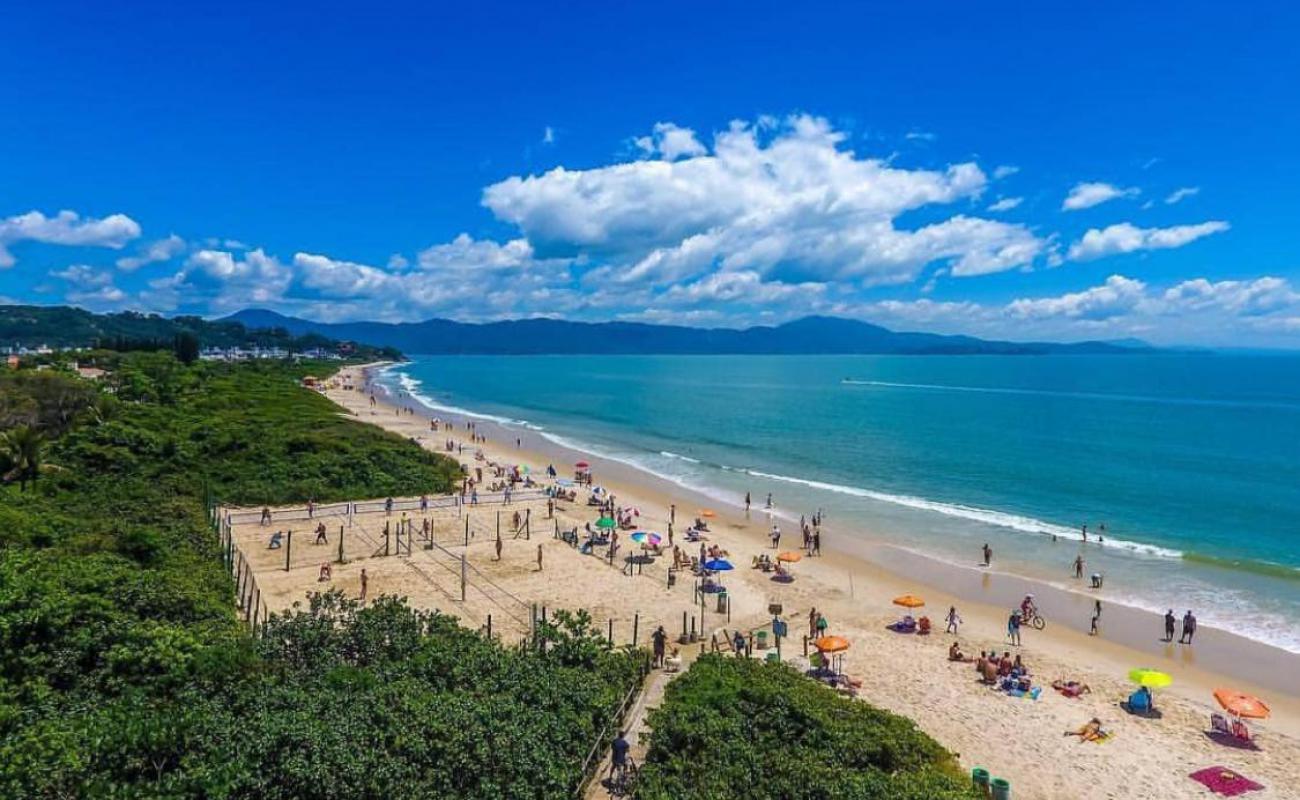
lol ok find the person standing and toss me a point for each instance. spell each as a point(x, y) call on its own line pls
point(1013, 628)
point(1096, 617)
point(1169, 625)
point(776, 537)
point(539, 558)
point(953, 619)
point(812, 623)
point(498, 546)
point(1189, 628)
point(365, 584)
point(988, 554)
point(747, 504)
point(1078, 566)
point(816, 542)
point(769, 501)
point(660, 639)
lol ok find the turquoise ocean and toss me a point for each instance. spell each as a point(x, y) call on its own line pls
point(1192, 462)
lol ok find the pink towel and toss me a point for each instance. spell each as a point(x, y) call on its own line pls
point(1224, 781)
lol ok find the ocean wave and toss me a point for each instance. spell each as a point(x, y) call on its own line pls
point(412, 385)
point(1127, 398)
point(678, 456)
point(1000, 519)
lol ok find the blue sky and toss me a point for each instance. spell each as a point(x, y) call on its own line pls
point(999, 169)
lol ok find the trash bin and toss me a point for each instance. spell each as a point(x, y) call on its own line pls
point(1001, 789)
point(722, 601)
point(762, 640)
point(980, 777)
point(773, 657)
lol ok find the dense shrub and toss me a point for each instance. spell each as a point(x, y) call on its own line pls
point(125, 673)
point(742, 728)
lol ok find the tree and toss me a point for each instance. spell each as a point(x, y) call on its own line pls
point(186, 347)
point(24, 454)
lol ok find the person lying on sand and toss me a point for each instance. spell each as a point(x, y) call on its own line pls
point(1091, 732)
point(1071, 688)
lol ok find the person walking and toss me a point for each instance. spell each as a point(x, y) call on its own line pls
point(816, 542)
point(1170, 620)
point(498, 546)
point(1189, 628)
point(988, 554)
point(539, 558)
point(747, 504)
point(660, 640)
point(953, 619)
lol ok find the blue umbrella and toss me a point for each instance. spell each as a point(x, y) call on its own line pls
point(718, 565)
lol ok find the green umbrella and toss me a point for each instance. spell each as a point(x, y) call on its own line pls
point(605, 522)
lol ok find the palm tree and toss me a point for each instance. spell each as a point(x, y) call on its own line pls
point(23, 451)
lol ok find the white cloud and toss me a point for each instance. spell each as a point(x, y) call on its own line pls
point(1127, 238)
point(84, 275)
point(398, 262)
point(1178, 195)
point(1248, 298)
point(1087, 195)
point(1004, 171)
point(1006, 203)
point(154, 252)
point(920, 136)
point(786, 200)
point(465, 253)
point(1117, 296)
point(65, 228)
point(548, 135)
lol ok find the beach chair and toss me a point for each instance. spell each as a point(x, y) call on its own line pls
point(1240, 730)
point(1219, 724)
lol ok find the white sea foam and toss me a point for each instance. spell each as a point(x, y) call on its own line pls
point(1000, 519)
point(678, 456)
point(1125, 398)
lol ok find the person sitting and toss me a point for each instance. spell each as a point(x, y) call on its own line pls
point(1018, 668)
point(673, 662)
point(276, 541)
point(326, 572)
point(700, 525)
point(1140, 702)
point(1071, 688)
point(923, 626)
point(1090, 732)
point(989, 672)
point(955, 654)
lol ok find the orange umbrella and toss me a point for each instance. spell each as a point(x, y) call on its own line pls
point(909, 601)
point(1241, 705)
point(831, 644)
point(791, 556)
point(707, 512)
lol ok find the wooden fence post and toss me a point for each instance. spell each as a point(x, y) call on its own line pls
point(288, 550)
point(463, 576)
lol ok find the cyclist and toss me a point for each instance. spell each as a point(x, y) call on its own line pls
point(1028, 611)
point(618, 754)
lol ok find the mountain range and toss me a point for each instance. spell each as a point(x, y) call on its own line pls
point(806, 336)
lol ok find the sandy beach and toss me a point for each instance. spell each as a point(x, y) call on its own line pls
point(1019, 739)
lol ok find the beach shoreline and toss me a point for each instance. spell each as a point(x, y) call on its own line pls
point(1218, 654)
point(856, 578)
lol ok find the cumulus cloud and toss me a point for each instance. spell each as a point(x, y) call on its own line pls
point(785, 200)
point(1178, 195)
point(1004, 171)
point(65, 228)
point(1087, 195)
point(154, 252)
point(1006, 203)
point(1126, 237)
point(1117, 296)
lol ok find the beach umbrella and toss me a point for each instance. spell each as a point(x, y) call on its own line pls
point(790, 556)
point(708, 512)
point(605, 522)
point(908, 601)
point(832, 644)
point(524, 469)
point(718, 565)
point(1150, 678)
point(582, 465)
point(646, 538)
point(1241, 705)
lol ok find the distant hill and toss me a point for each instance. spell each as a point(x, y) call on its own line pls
point(64, 326)
point(810, 335)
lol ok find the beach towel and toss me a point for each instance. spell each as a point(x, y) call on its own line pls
point(1224, 781)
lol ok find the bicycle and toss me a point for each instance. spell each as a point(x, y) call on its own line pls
point(1034, 620)
point(622, 780)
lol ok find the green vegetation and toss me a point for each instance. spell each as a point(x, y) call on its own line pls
point(63, 326)
point(124, 671)
point(741, 728)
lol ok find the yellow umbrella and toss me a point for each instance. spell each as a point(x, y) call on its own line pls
point(909, 601)
point(1150, 678)
point(707, 512)
point(791, 557)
